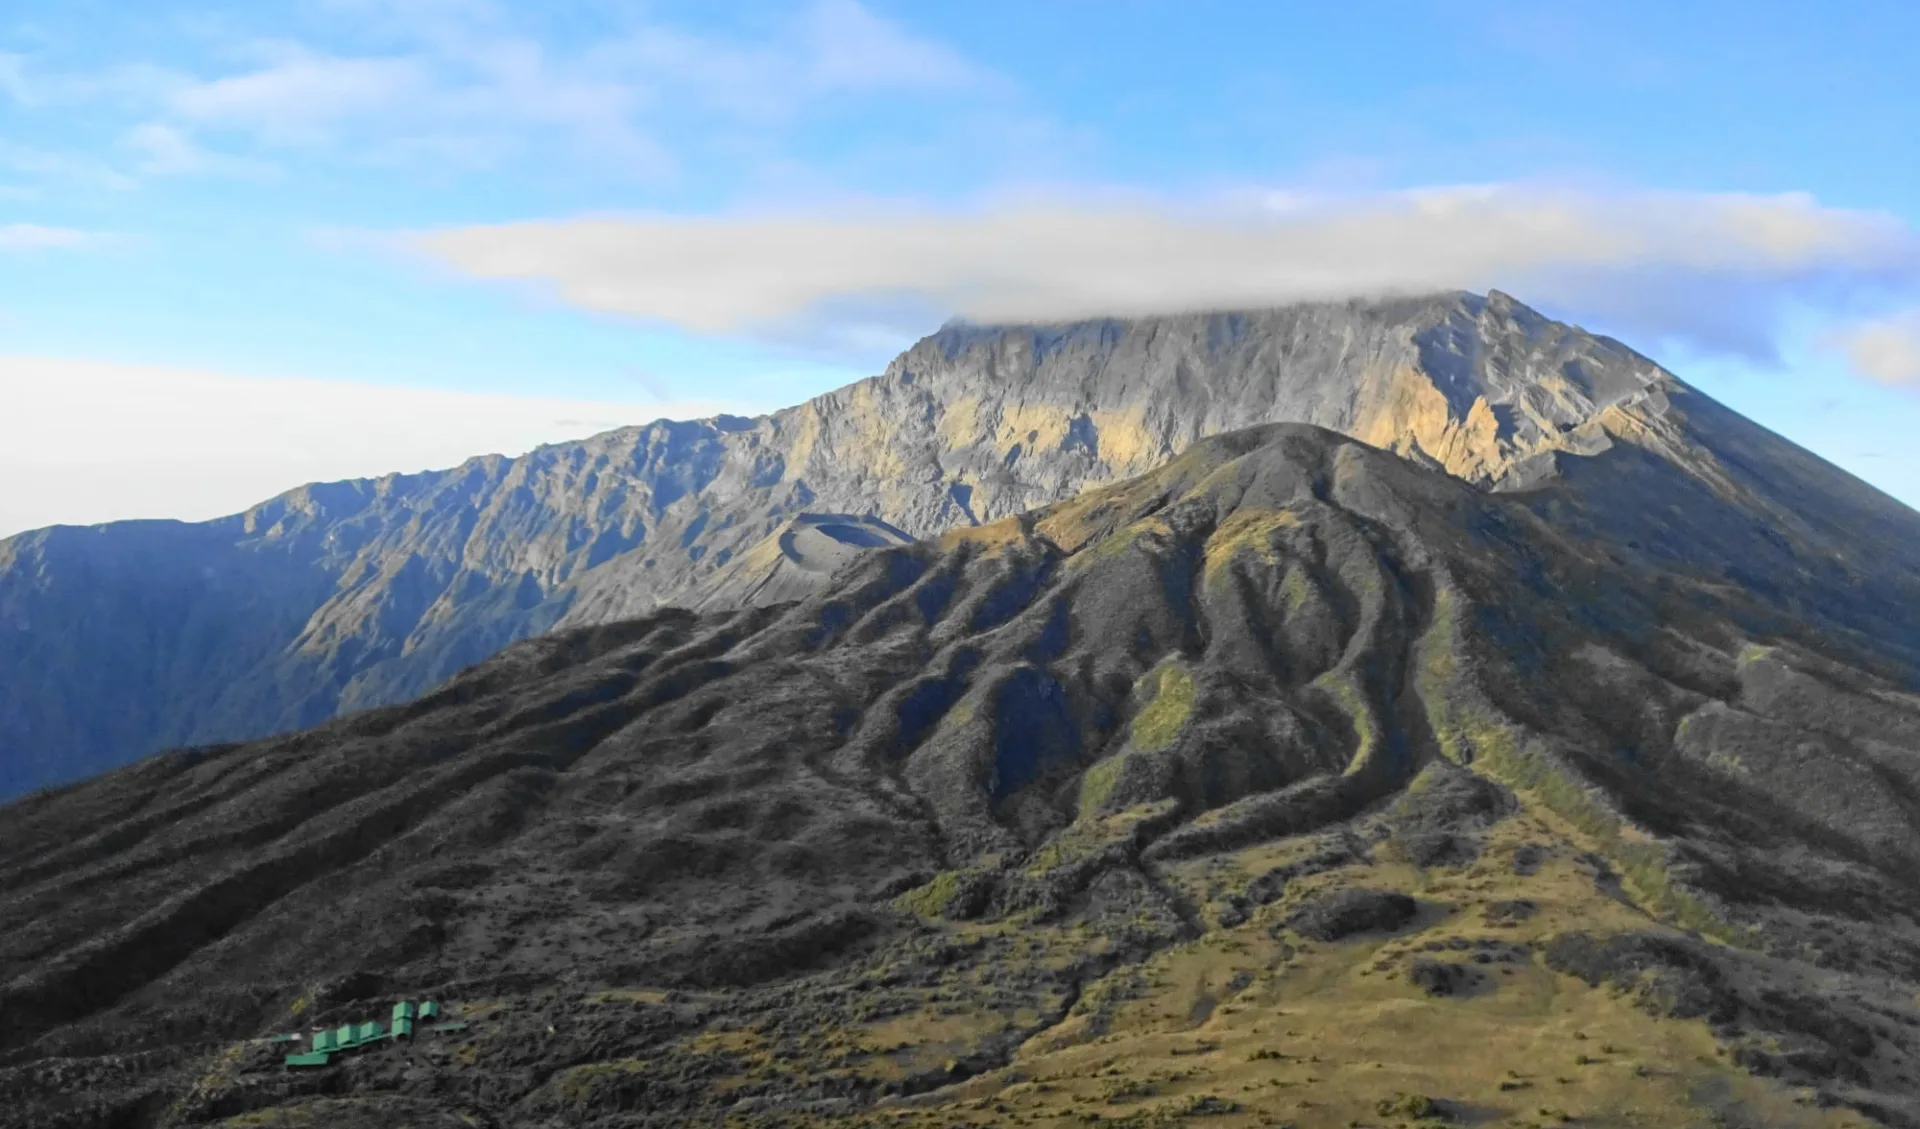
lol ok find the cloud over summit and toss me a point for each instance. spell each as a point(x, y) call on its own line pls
point(1709, 257)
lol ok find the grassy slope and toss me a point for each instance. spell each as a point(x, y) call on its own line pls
point(1061, 979)
point(1250, 1025)
point(1271, 1031)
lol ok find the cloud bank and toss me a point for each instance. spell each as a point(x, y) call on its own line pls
point(84, 442)
point(1709, 268)
point(1886, 349)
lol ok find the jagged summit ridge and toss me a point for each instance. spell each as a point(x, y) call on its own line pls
point(1470, 384)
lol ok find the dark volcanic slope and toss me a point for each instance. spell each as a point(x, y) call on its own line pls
point(355, 594)
point(960, 808)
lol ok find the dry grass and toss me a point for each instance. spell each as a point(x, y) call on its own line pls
point(1247, 532)
point(1252, 1026)
point(993, 535)
point(1240, 1028)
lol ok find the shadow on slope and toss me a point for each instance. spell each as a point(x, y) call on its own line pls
point(961, 785)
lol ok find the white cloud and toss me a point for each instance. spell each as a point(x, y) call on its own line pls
point(832, 47)
point(35, 237)
point(460, 80)
point(469, 84)
point(47, 165)
point(32, 86)
point(850, 48)
point(301, 94)
point(1886, 350)
point(162, 150)
point(1048, 260)
point(83, 442)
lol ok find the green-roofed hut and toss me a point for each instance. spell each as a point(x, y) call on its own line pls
point(327, 1040)
point(429, 1009)
point(404, 1010)
point(369, 1032)
point(344, 1037)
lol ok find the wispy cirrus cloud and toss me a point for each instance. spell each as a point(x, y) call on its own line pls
point(1719, 264)
point(159, 149)
point(13, 83)
point(298, 94)
point(41, 165)
point(847, 47)
point(832, 48)
point(38, 237)
point(477, 82)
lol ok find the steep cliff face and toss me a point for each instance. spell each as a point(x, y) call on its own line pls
point(122, 639)
point(975, 423)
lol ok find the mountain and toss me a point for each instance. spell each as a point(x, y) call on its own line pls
point(1293, 782)
point(122, 639)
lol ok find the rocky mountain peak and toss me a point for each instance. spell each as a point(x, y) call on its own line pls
point(362, 593)
point(1473, 385)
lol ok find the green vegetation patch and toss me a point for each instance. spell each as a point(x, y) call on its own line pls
point(1470, 731)
point(1247, 532)
point(1644, 864)
point(1161, 719)
point(581, 1084)
point(1297, 590)
point(1141, 535)
point(1098, 783)
point(1341, 686)
point(955, 895)
point(932, 899)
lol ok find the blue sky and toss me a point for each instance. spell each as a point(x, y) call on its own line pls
point(233, 234)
